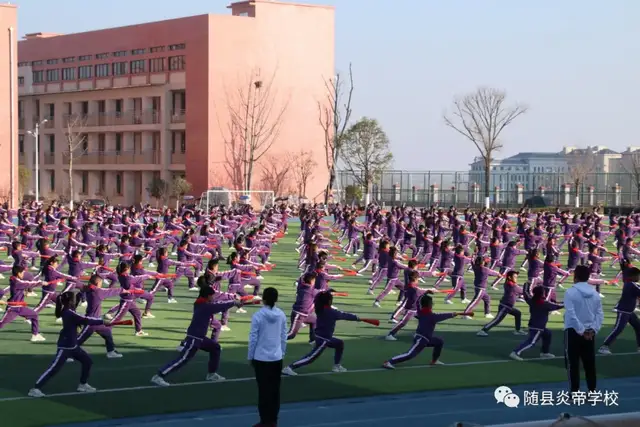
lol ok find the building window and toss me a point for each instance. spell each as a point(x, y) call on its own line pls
point(176, 63)
point(102, 56)
point(156, 65)
point(68, 74)
point(52, 61)
point(38, 76)
point(84, 72)
point(85, 57)
point(52, 181)
point(102, 70)
point(118, 143)
point(20, 81)
point(119, 184)
point(69, 59)
point(120, 53)
point(102, 184)
point(156, 49)
point(138, 51)
point(21, 144)
point(137, 67)
point(243, 14)
point(85, 182)
point(52, 143)
point(177, 46)
point(36, 63)
point(119, 68)
point(53, 75)
point(23, 64)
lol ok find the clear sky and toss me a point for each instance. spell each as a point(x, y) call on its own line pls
point(576, 63)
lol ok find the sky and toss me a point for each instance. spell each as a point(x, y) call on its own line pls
point(574, 63)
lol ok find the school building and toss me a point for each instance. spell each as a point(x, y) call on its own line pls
point(127, 105)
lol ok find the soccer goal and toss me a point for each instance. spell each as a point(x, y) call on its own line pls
point(256, 198)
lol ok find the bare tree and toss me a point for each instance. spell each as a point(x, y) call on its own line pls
point(275, 173)
point(366, 152)
point(334, 116)
point(580, 163)
point(234, 157)
point(481, 117)
point(256, 117)
point(76, 145)
point(630, 162)
point(303, 165)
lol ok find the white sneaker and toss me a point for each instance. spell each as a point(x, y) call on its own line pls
point(194, 289)
point(225, 328)
point(158, 380)
point(257, 298)
point(369, 292)
point(637, 310)
point(59, 320)
point(141, 334)
point(172, 301)
point(180, 347)
point(37, 338)
point(376, 304)
point(514, 356)
point(448, 301)
point(70, 360)
point(601, 296)
point(34, 392)
point(260, 277)
point(31, 294)
point(27, 321)
point(107, 316)
point(83, 304)
point(85, 388)
point(241, 311)
point(114, 355)
point(151, 265)
point(338, 369)
point(388, 365)
point(437, 362)
point(215, 378)
point(174, 253)
point(148, 316)
point(398, 303)
point(604, 350)
point(288, 371)
point(520, 300)
point(488, 316)
point(34, 268)
point(467, 317)
point(465, 301)
point(394, 321)
point(390, 338)
point(519, 332)
point(547, 356)
point(556, 313)
point(2, 278)
point(482, 334)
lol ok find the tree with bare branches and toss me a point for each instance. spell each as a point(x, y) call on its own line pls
point(76, 145)
point(303, 165)
point(630, 162)
point(275, 174)
point(256, 117)
point(334, 116)
point(580, 163)
point(481, 117)
point(366, 153)
point(234, 158)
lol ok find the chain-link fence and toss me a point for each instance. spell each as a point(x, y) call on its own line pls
point(507, 189)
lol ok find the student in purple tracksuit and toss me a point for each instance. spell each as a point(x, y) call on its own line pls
point(549, 273)
point(539, 309)
point(427, 321)
point(481, 274)
point(326, 319)
point(383, 260)
point(460, 259)
point(393, 271)
point(204, 309)
point(68, 347)
point(53, 278)
point(163, 264)
point(127, 302)
point(95, 295)
point(368, 255)
point(507, 306)
point(410, 303)
point(137, 269)
point(625, 309)
point(508, 261)
point(302, 311)
point(17, 288)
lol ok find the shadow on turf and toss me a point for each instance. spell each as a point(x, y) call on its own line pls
point(141, 362)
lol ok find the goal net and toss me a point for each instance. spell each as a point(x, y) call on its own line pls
point(231, 198)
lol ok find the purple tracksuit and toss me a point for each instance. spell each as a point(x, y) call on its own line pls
point(49, 294)
point(457, 277)
point(95, 296)
point(625, 313)
point(507, 306)
point(17, 288)
point(427, 321)
point(127, 300)
point(539, 316)
point(197, 339)
point(481, 275)
point(302, 311)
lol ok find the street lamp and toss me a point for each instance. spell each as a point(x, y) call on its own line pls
point(36, 134)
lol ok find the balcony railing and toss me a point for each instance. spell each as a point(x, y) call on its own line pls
point(21, 123)
point(119, 118)
point(49, 159)
point(114, 158)
point(178, 116)
point(49, 124)
point(177, 158)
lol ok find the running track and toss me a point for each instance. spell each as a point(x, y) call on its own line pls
point(440, 409)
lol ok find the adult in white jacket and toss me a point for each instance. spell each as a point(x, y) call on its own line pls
point(267, 347)
point(583, 317)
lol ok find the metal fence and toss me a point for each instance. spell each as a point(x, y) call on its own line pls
point(507, 190)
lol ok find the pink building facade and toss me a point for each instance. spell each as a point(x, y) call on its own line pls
point(153, 100)
point(8, 105)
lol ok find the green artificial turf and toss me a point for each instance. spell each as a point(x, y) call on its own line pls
point(476, 361)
